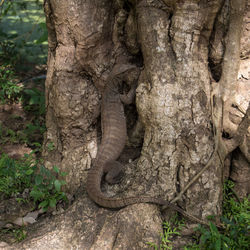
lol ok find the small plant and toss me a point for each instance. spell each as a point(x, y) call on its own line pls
point(236, 221)
point(29, 135)
point(1, 131)
point(47, 189)
point(170, 229)
point(233, 235)
point(11, 135)
point(34, 101)
point(9, 90)
point(211, 238)
point(32, 133)
point(15, 176)
point(50, 146)
point(236, 218)
point(18, 175)
point(23, 32)
point(18, 233)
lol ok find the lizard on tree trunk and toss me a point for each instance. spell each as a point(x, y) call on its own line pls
point(114, 133)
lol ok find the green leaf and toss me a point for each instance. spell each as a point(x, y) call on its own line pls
point(43, 25)
point(205, 236)
point(29, 172)
point(36, 194)
point(50, 186)
point(57, 185)
point(218, 244)
point(56, 169)
point(226, 221)
point(213, 228)
point(42, 38)
point(38, 179)
point(43, 204)
point(34, 100)
point(29, 92)
point(63, 196)
point(63, 182)
point(63, 174)
point(45, 171)
point(52, 202)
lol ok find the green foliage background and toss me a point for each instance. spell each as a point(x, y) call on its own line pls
point(23, 33)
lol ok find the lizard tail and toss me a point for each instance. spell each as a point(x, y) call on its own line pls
point(94, 191)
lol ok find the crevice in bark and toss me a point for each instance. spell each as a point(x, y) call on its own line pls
point(178, 187)
point(216, 70)
point(86, 75)
point(226, 135)
point(137, 59)
point(52, 38)
point(127, 6)
point(171, 38)
point(217, 41)
point(240, 173)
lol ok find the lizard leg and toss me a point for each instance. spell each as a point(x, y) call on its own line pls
point(113, 170)
point(130, 96)
point(131, 78)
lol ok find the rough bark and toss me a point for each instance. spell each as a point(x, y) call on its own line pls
point(186, 97)
point(240, 170)
point(174, 103)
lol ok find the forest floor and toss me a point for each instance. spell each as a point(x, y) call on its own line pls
point(23, 52)
point(23, 56)
point(21, 120)
point(22, 124)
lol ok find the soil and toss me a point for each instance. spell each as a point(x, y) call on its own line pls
point(15, 142)
point(12, 116)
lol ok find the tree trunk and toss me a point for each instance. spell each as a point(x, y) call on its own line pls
point(191, 112)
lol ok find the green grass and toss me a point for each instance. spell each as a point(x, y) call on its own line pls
point(9, 90)
point(15, 176)
point(18, 233)
point(235, 222)
point(33, 103)
point(23, 44)
point(170, 229)
point(23, 31)
point(233, 234)
point(29, 174)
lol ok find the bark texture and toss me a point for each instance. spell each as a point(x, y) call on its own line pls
point(192, 103)
point(173, 100)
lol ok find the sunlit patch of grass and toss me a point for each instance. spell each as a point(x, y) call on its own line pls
point(22, 28)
